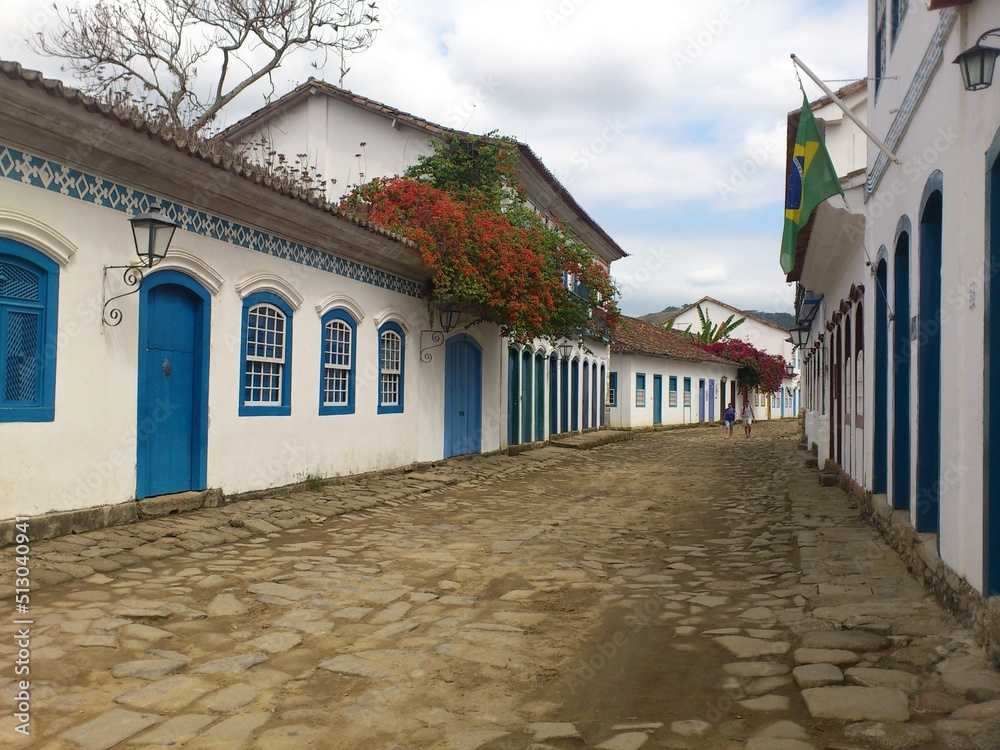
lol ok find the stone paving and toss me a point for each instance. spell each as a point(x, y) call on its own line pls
point(677, 591)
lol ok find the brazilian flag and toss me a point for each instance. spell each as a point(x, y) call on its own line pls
point(811, 180)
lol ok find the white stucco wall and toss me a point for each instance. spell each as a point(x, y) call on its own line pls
point(627, 414)
point(950, 131)
point(765, 337)
point(93, 435)
point(330, 133)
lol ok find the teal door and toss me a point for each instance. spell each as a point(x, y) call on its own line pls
point(657, 399)
point(463, 396)
point(172, 426)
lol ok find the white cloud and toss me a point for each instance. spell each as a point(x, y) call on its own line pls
point(713, 276)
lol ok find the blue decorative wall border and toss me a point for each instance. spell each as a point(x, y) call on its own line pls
point(57, 178)
point(914, 95)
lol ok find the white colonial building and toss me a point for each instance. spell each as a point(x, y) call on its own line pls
point(660, 378)
point(920, 325)
point(834, 289)
point(279, 340)
point(758, 332)
point(350, 139)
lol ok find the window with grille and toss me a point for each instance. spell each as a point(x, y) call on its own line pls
point(267, 342)
point(613, 389)
point(390, 366)
point(879, 52)
point(28, 299)
point(687, 391)
point(672, 391)
point(337, 376)
point(640, 389)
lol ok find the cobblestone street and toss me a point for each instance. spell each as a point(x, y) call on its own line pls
point(637, 595)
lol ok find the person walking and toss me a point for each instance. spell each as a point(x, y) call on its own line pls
point(729, 419)
point(747, 419)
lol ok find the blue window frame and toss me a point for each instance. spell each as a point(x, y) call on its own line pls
point(898, 13)
point(880, 52)
point(672, 392)
point(266, 373)
point(640, 389)
point(687, 391)
point(391, 362)
point(29, 296)
point(337, 374)
point(613, 389)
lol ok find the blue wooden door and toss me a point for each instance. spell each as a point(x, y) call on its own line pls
point(463, 397)
point(553, 394)
point(540, 396)
point(901, 458)
point(701, 399)
point(527, 397)
point(172, 428)
point(574, 395)
point(513, 398)
point(991, 389)
point(929, 368)
point(564, 396)
point(657, 399)
point(711, 400)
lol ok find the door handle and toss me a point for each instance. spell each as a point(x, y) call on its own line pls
point(166, 368)
point(461, 414)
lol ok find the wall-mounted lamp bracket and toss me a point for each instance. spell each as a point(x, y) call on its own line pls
point(436, 338)
point(132, 276)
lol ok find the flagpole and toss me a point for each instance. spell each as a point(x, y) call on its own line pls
point(826, 89)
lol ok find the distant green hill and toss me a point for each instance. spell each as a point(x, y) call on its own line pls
point(780, 319)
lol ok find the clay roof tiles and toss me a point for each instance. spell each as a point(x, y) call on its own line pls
point(634, 336)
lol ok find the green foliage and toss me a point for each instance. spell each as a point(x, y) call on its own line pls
point(478, 170)
point(710, 332)
point(487, 248)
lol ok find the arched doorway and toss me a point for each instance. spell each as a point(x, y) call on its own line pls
point(991, 385)
point(540, 396)
point(172, 420)
point(527, 396)
point(553, 393)
point(929, 360)
point(901, 353)
point(463, 396)
point(513, 397)
point(881, 395)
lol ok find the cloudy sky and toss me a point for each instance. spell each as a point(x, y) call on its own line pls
point(664, 118)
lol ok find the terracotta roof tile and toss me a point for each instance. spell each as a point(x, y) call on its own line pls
point(196, 147)
point(634, 336)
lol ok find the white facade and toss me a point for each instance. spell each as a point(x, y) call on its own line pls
point(833, 268)
point(765, 336)
point(688, 392)
point(77, 442)
point(352, 139)
point(928, 349)
point(930, 223)
point(278, 341)
point(659, 378)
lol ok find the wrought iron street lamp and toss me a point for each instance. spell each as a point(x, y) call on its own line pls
point(977, 63)
point(449, 313)
point(565, 348)
point(152, 233)
point(800, 336)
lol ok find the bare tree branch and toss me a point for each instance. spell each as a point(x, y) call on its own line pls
point(193, 57)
